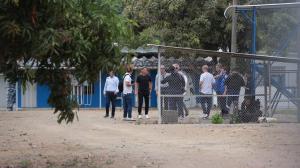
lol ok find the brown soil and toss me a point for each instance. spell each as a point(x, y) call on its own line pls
point(34, 139)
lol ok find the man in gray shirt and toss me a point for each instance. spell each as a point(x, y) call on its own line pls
point(163, 87)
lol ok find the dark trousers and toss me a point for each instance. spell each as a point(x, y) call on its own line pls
point(222, 103)
point(127, 103)
point(164, 103)
point(111, 98)
point(206, 103)
point(231, 98)
point(143, 95)
point(176, 103)
point(164, 100)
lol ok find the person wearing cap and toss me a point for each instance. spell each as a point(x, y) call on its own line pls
point(163, 87)
point(176, 87)
point(207, 81)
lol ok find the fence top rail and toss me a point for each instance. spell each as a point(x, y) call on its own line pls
point(231, 54)
point(263, 6)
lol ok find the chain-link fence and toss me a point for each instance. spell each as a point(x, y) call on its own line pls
point(198, 86)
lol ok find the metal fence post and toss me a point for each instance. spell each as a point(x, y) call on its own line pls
point(234, 34)
point(17, 96)
point(265, 88)
point(253, 50)
point(298, 91)
point(270, 88)
point(159, 87)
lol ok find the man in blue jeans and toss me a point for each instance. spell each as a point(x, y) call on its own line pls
point(220, 78)
point(127, 94)
point(207, 82)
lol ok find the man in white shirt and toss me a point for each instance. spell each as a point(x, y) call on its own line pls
point(110, 91)
point(127, 94)
point(163, 87)
point(207, 81)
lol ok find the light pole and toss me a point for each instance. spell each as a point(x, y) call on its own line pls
point(234, 34)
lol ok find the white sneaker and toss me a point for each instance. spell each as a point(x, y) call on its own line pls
point(140, 116)
point(204, 115)
point(130, 119)
point(147, 117)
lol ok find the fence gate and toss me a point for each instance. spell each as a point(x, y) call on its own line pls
point(29, 96)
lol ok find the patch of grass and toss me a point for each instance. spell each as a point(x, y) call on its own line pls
point(217, 119)
point(25, 164)
point(109, 162)
point(138, 122)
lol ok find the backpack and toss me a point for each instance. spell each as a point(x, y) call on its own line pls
point(121, 86)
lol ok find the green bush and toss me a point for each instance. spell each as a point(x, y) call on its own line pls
point(217, 119)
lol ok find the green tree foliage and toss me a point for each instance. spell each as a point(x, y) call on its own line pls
point(184, 23)
point(201, 24)
point(48, 41)
point(187, 23)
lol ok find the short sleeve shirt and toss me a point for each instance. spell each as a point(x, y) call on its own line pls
point(127, 89)
point(143, 82)
point(208, 81)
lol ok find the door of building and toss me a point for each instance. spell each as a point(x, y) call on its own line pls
point(29, 96)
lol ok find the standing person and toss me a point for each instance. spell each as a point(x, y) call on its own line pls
point(248, 89)
point(207, 81)
point(220, 78)
point(176, 87)
point(143, 88)
point(127, 94)
point(233, 85)
point(163, 87)
point(177, 69)
point(110, 91)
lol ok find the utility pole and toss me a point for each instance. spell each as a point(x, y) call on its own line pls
point(234, 34)
point(298, 74)
point(298, 90)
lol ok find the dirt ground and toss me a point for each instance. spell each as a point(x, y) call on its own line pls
point(34, 139)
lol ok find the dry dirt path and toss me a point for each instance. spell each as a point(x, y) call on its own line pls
point(34, 139)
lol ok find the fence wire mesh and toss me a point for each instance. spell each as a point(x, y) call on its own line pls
point(197, 88)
